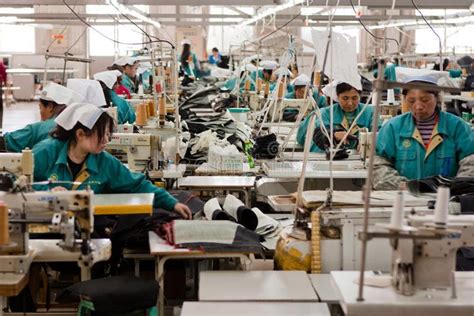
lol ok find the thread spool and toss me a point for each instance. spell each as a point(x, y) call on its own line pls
point(4, 231)
point(396, 218)
point(162, 110)
point(317, 79)
point(281, 90)
point(151, 108)
point(259, 85)
point(141, 114)
point(247, 85)
point(267, 89)
point(441, 209)
point(391, 96)
point(27, 162)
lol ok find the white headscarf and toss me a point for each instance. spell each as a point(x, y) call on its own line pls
point(85, 113)
point(91, 90)
point(108, 77)
point(60, 94)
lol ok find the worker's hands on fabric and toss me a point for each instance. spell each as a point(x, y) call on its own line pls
point(59, 188)
point(183, 210)
point(339, 136)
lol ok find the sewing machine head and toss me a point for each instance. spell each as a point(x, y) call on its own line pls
point(16, 171)
point(138, 148)
point(429, 259)
point(365, 143)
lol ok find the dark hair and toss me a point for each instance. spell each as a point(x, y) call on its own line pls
point(215, 49)
point(104, 123)
point(435, 93)
point(185, 54)
point(106, 92)
point(57, 108)
point(115, 67)
point(344, 87)
point(268, 71)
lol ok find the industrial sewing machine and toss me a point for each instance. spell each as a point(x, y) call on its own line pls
point(140, 149)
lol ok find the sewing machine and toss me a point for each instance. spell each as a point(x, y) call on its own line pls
point(16, 166)
point(139, 148)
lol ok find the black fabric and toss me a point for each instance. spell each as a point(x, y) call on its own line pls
point(467, 202)
point(323, 143)
point(265, 147)
point(465, 259)
point(221, 215)
point(120, 294)
point(75, 167)
point(247, 218)
point(457, 186)
point(3, 146)
point(469, 83)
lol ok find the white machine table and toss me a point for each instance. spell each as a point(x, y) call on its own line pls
point(385, 301)
point(253, 309)
point(215, 183)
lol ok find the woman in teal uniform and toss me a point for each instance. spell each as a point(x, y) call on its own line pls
point(54, 98)
point(423, 142)
point(76, 153)
point(298, 88)
point(108, 81)
point(189, 61)
point(344, 114)
point(128, 66)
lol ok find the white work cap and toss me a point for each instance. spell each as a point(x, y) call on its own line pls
point(330, 90)
point(268, 64)
point(302, 80)
point(404, 74)
point(85, 113)
point(108, 77)
point(91, 90)
point(185, 41)
point(126, 60)
point(60, 94)
point(282, 71)
point(433, 79)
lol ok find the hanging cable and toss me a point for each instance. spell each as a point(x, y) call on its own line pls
point(372, 34)
point(130, 20)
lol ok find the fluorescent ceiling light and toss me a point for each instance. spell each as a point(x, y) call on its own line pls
point(460, 20)
point(125, 10)
point(271, 11)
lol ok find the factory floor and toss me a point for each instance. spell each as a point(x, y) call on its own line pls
point(19, 114)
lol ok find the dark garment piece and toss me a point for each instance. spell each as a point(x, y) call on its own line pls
point(265, 147)
point(75, 167)
point(465, 259)
point(323, 142)
point(115, 295)
point(3, 147)
point(457, 186)
point(467, 202)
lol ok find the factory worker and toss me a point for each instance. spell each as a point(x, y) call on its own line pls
point(286, 76)
point(144, 72)
point(423, 142)
point(215, 58)
point(299, 86)
point(243, 73)
point(108, 81)
point(129, 72)
point(188, 60)
point(265, 74)
point(344, 114)
point(53, 99)
point(76, 153)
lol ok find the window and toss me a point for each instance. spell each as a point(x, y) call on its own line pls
point(125, 33)
point(9, 35)
point(306, 35)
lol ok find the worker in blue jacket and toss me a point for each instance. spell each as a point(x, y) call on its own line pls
point(299, 86)
point(344, 114)
point(53, 100)
point(108, 80)
point(423, 142)
point(76, 153)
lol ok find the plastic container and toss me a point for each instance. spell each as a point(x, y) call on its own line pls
point(239, 114)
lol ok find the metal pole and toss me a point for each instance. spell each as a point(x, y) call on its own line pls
point(368, 184)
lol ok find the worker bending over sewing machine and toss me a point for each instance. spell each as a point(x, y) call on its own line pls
point(108, 81)
point(265, 74)
point(423, 142)
point(76, 153)
point(299, 86)
point(53, 100)
point(344, 114)
point(128, 67)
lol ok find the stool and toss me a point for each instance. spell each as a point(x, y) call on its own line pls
point(120, 295)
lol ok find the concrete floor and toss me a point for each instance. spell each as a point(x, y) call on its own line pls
point(19, 114)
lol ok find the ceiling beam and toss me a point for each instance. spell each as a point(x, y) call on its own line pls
point(434, 4)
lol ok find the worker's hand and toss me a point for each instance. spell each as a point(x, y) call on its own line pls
point(59, 188)
point(340, 135)
point(183, 210)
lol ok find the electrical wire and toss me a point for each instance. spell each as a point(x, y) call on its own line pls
point(431, 27)
point(130, 20)
point(279, 28)
point(111, 39)
point(372, 34)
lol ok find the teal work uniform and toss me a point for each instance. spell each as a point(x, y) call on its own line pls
point(28, 136)
point(188, 70)
point(400, 142)
point(320, 99)
point(340, 119)
point(124, 109)
point(102, 172)
point(146, 79)
point(128, 83)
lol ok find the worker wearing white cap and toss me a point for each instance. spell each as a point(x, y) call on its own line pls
point(75, 153)
point(91, 91)
point(53, 99)
point(299, 86)
point(189, 62)
point(422, 142)
point(109, 80)
point(129, 69)
point(265, 74)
